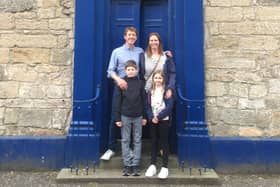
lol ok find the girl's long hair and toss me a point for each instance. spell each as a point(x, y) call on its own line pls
point(160, 72)
point(160, 47)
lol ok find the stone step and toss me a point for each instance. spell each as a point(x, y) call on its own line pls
point(176, 176)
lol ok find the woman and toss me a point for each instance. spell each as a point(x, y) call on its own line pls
point(154, 59)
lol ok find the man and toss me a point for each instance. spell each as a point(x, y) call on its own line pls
point(116, 71)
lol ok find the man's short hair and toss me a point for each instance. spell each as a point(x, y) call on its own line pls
point(130, 63)
point(132, 29)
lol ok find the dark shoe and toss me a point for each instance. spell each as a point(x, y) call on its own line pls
point(126, 171)
point(135, 171)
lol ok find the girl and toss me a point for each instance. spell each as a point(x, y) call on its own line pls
point(158, 109)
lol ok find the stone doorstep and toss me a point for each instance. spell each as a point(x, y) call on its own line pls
point(176, 176)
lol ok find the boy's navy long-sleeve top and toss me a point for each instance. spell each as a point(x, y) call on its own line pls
point(130, 102)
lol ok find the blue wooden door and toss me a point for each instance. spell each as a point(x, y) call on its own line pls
point(147, 16)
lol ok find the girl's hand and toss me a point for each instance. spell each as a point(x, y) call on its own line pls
point(155, 120)
point(144, 122)
point(168, 94)
point(119, 123)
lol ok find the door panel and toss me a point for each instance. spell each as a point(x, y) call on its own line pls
point(123, 13)
point(154, 18)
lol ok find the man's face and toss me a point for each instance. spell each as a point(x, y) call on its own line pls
point(130, 38)
point(130, 71)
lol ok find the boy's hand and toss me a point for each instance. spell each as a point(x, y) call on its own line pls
point(144, 122)
point(119, 123)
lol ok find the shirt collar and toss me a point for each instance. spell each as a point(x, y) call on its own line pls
point(126, 47)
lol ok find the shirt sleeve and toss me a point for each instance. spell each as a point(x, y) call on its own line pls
point(112, 64)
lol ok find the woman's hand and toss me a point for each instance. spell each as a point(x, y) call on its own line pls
point(155, 120)
point(168, 94)
point(119, 123)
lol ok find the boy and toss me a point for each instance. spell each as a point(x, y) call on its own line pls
point(129, 111)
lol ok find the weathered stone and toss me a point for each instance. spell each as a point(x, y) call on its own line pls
point(55, 91)
point(238, 117)
point(230, 2)
point(62, 41)
point(31, 24)
point(223, 130)
point(245, 103)
point(268, 13)
point(29, 90)
point(227, 102)
point(6, 21)
point(61, 23)
point(44, 13)
point(59, 118)
point(215, 89)
point(30, 55)
point(16, 5)
point(264, 118)
point(8, 89)
point(249, 13)
point(268, 2)
point(276, 120)
point(248, 77)
point(272, 103)
point(229, 14)
point(229, 62)
point(219, 75)
point(33, 41)
point(239, 89)
point(61, 57)
point(11, 116)
point(250, 132)
point(4, 55)
point(46, 68)
point(20, 72)
point(61, 78)
point(26, 15)
point(50, 3)
point(35, 117)
point(224, 42)
point(274, 86)
point(2, 113)
point(259, 43)
point(257, 91)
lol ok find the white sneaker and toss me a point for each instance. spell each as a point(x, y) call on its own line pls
point(163, 174)
point(151, 171)
point(107, 155)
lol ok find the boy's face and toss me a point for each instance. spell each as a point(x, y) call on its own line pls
point(130, 38)
point(131, 71)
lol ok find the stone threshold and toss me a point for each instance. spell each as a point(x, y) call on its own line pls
point(176, 176)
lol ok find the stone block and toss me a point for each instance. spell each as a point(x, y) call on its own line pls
point(2, 110)
point(227, 102)
point(30, 41)
point(8, 89)
point(50, 3)
point(61, 57)
point(17, 5)
point(238, 117)
point(259, 43)
point(21, 72)
point(55, 91)
point(11, 116)
point(269, 13)
point(4, 55)
point(59, 118)
point(230, 3)
point(30, 55)
point(61, 24)
point(32, 24)
point(219, 75)
point(7, 21)
point(250, 132)
point(44, 13)
point(35, 117)
point(29, 90)
point(264, 119)
point(215, 89)
point(257, 91)
point(274, 86)
point(228, 14)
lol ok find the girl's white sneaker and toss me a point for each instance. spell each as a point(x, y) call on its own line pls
point(151, 171)
point(163, 174)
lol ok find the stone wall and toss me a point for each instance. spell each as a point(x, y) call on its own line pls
point(242, 67)
point(36, 49)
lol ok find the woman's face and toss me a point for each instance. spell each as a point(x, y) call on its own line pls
point(154, 42)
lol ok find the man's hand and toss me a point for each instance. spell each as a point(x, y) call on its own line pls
point(144, 122)
point(122, 83)
point(119, 123)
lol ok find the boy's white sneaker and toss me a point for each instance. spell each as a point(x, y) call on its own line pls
point(107, 155)
point(163, 174)
point(151, 171)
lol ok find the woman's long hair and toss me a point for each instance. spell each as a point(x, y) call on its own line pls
point(160, 47)
point(160, 72)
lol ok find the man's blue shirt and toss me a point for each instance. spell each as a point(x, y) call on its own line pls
point(119, 58)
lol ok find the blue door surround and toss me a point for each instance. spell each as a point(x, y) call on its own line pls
point(92, 51)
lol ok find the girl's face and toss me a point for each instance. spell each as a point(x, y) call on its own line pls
point(154, 42)
point(158, 79)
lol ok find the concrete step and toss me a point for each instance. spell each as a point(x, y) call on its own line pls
point(176, 176)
